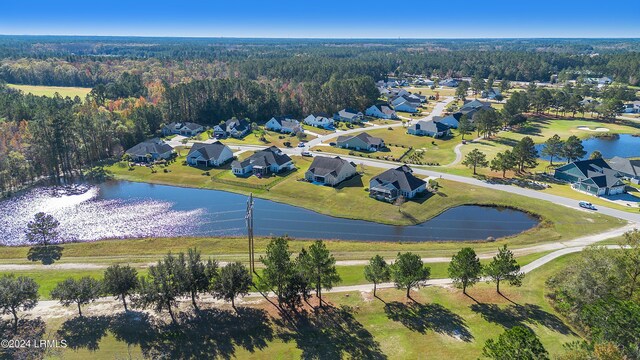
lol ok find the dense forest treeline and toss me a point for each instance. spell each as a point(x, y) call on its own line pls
point(71, 61)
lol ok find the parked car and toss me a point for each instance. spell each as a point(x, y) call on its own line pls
point(587, 205)
point(332, 144)
point(301, 145)
point(307, 153)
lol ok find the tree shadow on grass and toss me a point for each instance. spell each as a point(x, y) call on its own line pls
point(422, 318)
point(331, 333)
point(47, 255)
point(84, 332)
point(211, 333)
point(521, 315)
point(28, 329)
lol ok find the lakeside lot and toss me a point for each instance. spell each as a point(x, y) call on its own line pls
point(49, 91)
point(350, 200)
point(441, 323)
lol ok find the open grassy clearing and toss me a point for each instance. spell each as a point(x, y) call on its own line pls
point(391, 153)
point(442, 323)
point(49, 91)
point(349, 200)
point(427, 91)
point(271, 137)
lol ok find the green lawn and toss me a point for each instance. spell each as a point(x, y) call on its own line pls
point(64, 91)
point(434, 150)
point(271, 137)
point(442, 323)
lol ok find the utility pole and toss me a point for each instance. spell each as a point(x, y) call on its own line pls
point(249, 220)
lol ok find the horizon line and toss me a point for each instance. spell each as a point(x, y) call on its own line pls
point(320, 38)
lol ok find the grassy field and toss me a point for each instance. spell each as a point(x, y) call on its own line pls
point(390, 153)
point(434, 150)
point(47, 278)
point(271, 137)
point(349, 200)
point(64, 91)
point(441, 323)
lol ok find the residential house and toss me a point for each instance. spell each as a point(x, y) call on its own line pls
point(381, 112)
point(627, 168)
point(283, 124)
point(429, 128)
point(319, 120)
point(237, 128)
point(182, 128)
point(453, 120)
point(491, 94)
point(330, 171)
point(415, 101)
point(361, 141)
point(215, 154)
point(474, 105)
point(349, 115)
point(394, 183)
point(406, 107)
point(632, 107)
point(449, 82)
point(263, 162)
point(593, 176)
point(155, 148)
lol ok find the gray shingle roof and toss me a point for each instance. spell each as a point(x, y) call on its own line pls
point(153, 146)
point(368, 139)
point(239, 125)
point(626, 166)
point(430, 126)
point(323, 166)
point(208, 151)
point(266, 157)
point(401, 178)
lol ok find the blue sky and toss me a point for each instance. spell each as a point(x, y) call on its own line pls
point(324, 18)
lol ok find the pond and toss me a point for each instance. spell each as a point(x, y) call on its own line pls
point(120, 209)
point(625, 145)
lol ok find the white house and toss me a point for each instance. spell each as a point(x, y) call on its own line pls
point(182, 128)
point(349, 115)
point(330, 171)
point(215, 154)
point(321, 121)
point(283, 124)
point(381, 112)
